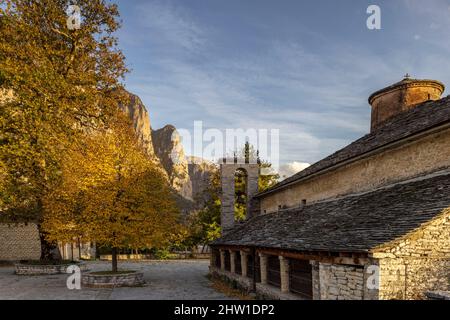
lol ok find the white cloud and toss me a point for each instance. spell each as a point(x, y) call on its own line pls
point(289, 169)
point(317, 100)
point(173, 24)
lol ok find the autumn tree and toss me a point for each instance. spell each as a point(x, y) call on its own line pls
point(112, 194)
point(204, 225)
point(63, 80)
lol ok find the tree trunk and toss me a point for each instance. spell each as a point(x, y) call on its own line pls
point(79, 249)
point(114, 259)
point(49, 250)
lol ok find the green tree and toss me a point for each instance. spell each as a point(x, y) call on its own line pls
point(63, 82)
point(249, 154)
point(204, 225)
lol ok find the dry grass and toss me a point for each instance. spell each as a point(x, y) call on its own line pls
point(227, 290)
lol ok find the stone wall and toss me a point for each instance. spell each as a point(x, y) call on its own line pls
point(405, 96)
point(111, 281)
point(19, 242)
point(316, 280)
point(417, 263)
point(27, 269)
point(263, 291)
point(338, 282)
point(425, 155)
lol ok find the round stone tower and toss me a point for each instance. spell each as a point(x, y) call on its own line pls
point(401, 97)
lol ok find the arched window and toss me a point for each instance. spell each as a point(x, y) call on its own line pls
point(240, 194)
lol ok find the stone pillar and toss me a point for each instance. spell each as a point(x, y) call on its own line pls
point(315, 279)
point(263, 267)
point(227, 198)
point(370, 290)
point(252, 190)
point(284, 274)
point(212, 259)
point(244, 263)
point(232, 261)
point(222, 260)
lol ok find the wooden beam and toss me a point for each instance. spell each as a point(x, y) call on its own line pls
point(349, 258)
point(354, 259)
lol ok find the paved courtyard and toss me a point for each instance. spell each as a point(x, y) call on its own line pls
point(165, 280)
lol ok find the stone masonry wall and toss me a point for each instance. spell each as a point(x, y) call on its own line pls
point(426, 155)
point(228, 193)
point(391, 103)
point(417, 263)
point(19, 242)
point(338, 282)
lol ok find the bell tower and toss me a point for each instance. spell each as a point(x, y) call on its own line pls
point(228, 169)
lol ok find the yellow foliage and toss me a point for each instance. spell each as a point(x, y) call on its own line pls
point(111, 193)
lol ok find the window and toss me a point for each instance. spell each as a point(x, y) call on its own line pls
point(273, 271)
point(227, 260)
point(237, 262)
point(300, 278)
point(250, 261)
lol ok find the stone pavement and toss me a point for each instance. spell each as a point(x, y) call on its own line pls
point(165, 280)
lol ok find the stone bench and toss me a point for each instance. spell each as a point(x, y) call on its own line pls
point(438, 295)
point(36, 269)
point(113, 280)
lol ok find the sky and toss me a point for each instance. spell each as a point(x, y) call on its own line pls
point(306, 68)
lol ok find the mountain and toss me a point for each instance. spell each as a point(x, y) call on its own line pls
point(200, 171)
point(137, 112)
point(188, 176)
point(170, 152)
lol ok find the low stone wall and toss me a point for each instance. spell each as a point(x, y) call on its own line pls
point(108, 257)
point(438, 295)
point(33, 270)
point(263, 292)
point(110, 281)
point(339, 282)
point(173, 256)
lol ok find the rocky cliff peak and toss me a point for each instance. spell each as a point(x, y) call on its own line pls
point(169, 149)
point(137, 112)
point(189, 177)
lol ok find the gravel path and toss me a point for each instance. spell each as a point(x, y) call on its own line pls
point(165, 280)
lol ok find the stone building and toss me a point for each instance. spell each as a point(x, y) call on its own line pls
point(371, 221)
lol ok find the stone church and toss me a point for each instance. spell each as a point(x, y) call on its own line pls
point(371, 221)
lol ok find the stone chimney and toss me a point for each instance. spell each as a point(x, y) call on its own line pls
point(401, 97)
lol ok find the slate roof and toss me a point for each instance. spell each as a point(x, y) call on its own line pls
point(355, 223)
point(421, 118)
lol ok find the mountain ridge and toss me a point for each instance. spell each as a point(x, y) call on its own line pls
point(188, 176)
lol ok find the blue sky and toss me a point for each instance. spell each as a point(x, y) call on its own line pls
point(304, 67)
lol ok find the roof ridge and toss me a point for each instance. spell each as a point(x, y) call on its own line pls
point(381, 137)
point(351, 224)
point(423, 177)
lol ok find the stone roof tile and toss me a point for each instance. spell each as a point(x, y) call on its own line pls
point(356, 223)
